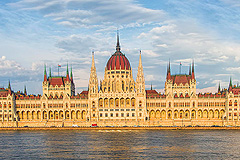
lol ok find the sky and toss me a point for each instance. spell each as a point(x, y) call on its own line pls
point(34, 33)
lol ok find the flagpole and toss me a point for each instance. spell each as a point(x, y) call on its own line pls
point(58, 69)
point(180, 69)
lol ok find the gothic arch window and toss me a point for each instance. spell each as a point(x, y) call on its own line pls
point(140, 103)
point(122, 85)
point(230, 103)
point(9, 105)
point(235, 103)
point(113, 86)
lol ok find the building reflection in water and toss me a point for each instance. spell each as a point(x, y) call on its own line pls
point(120, 144)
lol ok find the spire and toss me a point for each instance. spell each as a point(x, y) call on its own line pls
point(193, 76)
point(67, 76)
point(118, 43)
point(140, 76)
point(9, 85)
point(151, 86)
point(25, 90)
point(45, 73)
point(168, 71)
point(93, 62)
point(190, 69)
point(71, 74)
point(50, 73)
point(219, 88)
point(140, 59)
point(93, 81)
point(230, 84)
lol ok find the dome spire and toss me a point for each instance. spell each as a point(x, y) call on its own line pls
point(118, 43)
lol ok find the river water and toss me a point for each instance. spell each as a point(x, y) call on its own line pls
point(120, 144)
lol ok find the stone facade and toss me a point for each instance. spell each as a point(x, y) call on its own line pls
point(119, 100)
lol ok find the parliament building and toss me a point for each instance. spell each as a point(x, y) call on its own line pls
point(120, 100)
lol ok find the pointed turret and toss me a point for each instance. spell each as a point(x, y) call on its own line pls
point(67, 76)
point(45, 73)
point(50, 72)
point(219, 88)
point(190, 69)
point(140, 76)
point(25, 90)
point(71, 75)
point(230, 85)
point(118, 43)
point(168, 71)
point(93, 81)
point(193, 76)
point(9, 85)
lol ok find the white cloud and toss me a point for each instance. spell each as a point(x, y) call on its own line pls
point(149, 53)
point(94, 12)
point(150, 77)
point(8, 64)
point(233, 69)
point(179, 41)
point(3, 57)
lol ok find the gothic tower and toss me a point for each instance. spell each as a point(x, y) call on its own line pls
point(140, 82)
point(93, 93)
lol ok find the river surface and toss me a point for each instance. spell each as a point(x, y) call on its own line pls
point(120, 144)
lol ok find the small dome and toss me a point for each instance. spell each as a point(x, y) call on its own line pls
point(118, 60)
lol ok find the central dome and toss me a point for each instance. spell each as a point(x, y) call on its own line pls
point(118, 61)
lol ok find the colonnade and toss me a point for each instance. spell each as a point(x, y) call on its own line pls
point(52, 115)
point(117, 102)
point(186, 114)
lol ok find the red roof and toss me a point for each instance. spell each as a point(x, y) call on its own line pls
point(84, 92)
point(117, 61)
point(57, 81)
point(180, 79)
point(5, 92)
point(210, 95)
point(23, 96)
point(153, 94)
point(235, 91)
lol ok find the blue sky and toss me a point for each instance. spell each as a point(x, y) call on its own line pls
point(52, 32)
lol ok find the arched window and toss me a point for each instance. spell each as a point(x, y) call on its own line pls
point(140, 103)
point(235, 103)
point(122, 86)
point(230, 103)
